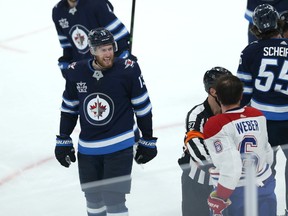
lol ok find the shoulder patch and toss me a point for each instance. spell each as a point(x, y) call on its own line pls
point(218, 146)
point(72, 65)
point(129, 63)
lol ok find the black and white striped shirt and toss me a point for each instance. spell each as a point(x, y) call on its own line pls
point(194, 142)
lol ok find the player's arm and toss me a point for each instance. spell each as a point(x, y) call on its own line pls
point(106, 18)
point(65, 59)
point(65, 44)
point(227, 160)
point(246, 77)
point(224, 154)
point(64, 150)
point(140, 99)
point(69, 109)
point(194, 143)
point(146, 149)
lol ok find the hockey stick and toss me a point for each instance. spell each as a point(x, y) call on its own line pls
point(132, 24)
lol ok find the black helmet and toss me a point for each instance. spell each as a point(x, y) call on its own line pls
point(265, 18)
point(211, 76)
point(284, 16)
point(100, 36)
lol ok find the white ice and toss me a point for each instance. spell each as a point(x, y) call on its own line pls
point(175, 42)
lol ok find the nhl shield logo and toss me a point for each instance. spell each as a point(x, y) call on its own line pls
point(98, 109)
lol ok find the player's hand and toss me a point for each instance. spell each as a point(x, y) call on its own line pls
point(64, 150)
point(63, 64)
point(146, 150)
point(185, 159)
point(216, 204)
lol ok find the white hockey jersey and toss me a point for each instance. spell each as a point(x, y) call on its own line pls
point(230, 137)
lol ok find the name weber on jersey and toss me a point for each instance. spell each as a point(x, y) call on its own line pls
point(244, 126)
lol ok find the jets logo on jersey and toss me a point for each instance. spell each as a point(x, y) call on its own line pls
point(79, 35)
point(218, 146)
point(81, 87)
point(98, 109)
point(129, 63)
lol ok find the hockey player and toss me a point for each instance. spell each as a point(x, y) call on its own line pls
point(74, 19)
point(263, 70)
point(106, 93)
point(280, 5)
point(196, 184)
point(230, 137)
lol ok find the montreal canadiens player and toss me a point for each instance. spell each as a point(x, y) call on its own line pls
point(107, 93)
point(195, 161)
point(230, 137)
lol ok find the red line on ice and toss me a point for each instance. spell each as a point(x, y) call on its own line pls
point(17, 173)
point(17, 37)
point(26, 168)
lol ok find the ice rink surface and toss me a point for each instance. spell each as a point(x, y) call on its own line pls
point(175, 42)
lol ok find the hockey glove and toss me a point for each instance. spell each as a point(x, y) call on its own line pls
point(63, 64)
point(146, 150)
point(64, 150)
point(216, 204)
point(184, 160)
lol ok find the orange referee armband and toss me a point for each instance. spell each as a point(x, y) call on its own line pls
point(193, 134)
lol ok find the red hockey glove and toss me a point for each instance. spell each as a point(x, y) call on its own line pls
point(216, 204)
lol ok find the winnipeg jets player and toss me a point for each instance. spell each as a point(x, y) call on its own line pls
point(279, 5)
point(74, 19)
point(231, 136)
point(263, 69)
point(106, 93)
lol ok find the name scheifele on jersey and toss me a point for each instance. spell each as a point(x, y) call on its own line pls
point(275, 51)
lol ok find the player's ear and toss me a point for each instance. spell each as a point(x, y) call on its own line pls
point(212, 92)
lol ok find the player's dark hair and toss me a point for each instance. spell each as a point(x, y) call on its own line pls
point(229, 90)
point(284, 17)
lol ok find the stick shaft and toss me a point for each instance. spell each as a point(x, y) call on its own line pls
point(132, 23)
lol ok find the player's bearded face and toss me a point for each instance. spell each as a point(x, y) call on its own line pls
point(105, 56)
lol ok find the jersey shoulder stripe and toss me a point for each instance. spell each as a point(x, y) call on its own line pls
point(215, 124)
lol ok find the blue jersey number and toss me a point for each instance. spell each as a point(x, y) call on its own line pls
point(247, 154)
